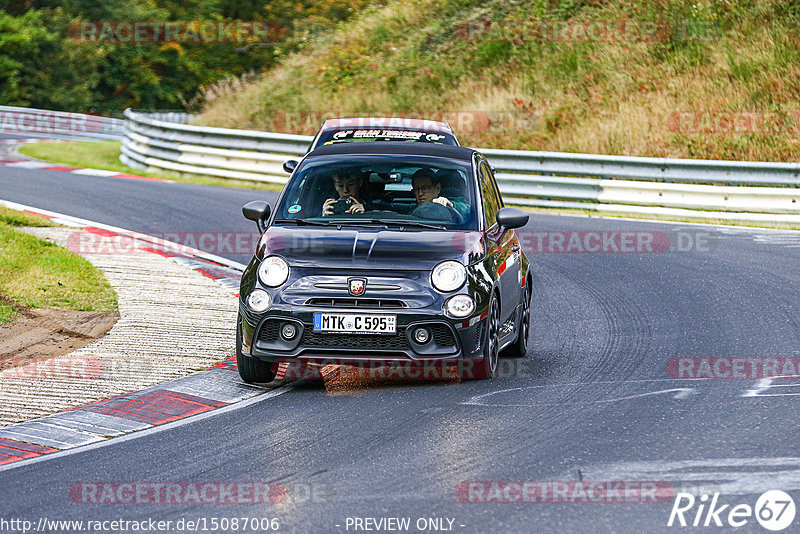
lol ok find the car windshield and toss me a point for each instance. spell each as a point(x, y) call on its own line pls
point(351, 135)
point(398, 190)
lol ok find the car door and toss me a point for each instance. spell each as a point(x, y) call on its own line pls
point(501, 251)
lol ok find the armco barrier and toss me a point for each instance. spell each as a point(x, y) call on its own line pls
point(732, 190)
point(44, 123)
point(242, 154)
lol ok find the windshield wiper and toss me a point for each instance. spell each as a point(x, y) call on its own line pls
point(306, 222)
point(363, 222)
point(416, 224)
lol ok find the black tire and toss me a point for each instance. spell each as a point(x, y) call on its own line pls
point(251, 370)
point(487, 366)
point(520, 347)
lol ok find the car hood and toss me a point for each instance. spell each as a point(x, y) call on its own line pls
point(370, 248)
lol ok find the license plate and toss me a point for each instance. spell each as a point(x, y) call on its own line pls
point(351, 323)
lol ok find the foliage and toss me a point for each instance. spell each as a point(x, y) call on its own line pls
point(42, 66)
point(548, 91)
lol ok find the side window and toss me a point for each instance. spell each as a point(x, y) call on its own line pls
point(491, 202)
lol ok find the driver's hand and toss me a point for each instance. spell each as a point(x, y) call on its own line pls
point(327, 207)
point(443, 201)
point(357, 207)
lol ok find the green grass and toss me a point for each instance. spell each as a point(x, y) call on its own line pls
point(104, 155)
point(603, 96)
point(36, 273)
point(6, 312)
point(18, 218)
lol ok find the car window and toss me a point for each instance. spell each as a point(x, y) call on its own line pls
point(425, 189)
point(491, 199)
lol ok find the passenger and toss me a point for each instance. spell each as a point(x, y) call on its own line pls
point(348, 185)
point(427, 186)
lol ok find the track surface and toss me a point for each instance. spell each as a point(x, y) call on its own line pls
point(591, 401)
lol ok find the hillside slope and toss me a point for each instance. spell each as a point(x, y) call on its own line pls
point(718, 80)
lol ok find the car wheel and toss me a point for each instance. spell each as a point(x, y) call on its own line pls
point(520, 346)
point(487, 365)
point(251, 370)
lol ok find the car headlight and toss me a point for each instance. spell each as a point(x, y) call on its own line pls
point(448, 276)
point(259, 301)
point(273, 271)
point(459, 306)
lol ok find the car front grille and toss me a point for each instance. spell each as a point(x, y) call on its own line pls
point(442, 335)
point(339, 302)
point(269, 331)
point(355, 341)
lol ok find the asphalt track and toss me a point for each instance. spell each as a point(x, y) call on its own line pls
point(592, 401)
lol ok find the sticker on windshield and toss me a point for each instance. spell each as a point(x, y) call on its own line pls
point(384, 134)
point(294, 209)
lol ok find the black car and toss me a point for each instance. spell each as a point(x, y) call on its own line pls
point(385, 253)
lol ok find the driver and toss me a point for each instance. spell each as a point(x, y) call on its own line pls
point(427, 186)
point(348, 185)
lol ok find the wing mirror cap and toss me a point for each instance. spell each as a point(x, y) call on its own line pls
point(256, 211)
point(512, 218)
point(290, 165)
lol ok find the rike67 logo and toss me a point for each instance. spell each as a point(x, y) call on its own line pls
point(774, 510)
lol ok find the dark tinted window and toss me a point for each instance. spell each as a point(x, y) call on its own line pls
point(491, 200)
point(384, 186)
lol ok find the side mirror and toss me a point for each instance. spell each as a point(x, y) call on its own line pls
point(512, 218)
point(258, 212)
point(289, 165)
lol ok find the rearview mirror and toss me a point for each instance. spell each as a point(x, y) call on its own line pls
point(258, 212)
point(512, 218)
point(289, 165)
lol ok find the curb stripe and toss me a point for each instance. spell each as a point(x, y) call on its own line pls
point(130, 412)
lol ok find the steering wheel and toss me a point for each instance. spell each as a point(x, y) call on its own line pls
point(435, 211)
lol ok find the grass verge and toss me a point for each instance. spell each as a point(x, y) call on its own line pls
point(11, 217)
point(35, 273)
point(104, 155)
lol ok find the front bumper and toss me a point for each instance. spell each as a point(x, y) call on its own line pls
point(449, 340)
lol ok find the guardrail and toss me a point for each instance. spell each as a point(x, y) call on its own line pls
point(59, 124)
point(732, 190)
point(150, 142)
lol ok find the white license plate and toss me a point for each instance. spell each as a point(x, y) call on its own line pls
point(355, 323)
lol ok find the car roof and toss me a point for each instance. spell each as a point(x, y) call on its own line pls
point(388, 123)
point(408, 149)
